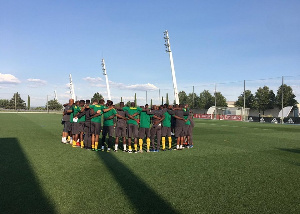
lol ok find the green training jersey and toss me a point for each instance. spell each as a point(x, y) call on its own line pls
point(76, 110)
point(145, 120)
point(107, 114)
point(186, 117)
point(131, 111)
point(167, 121)
point(96, 108)
point(82, 119)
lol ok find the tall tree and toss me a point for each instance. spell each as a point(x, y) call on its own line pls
point(249, 100)
point(28, 102)
point(182, 97)
point(221, 100)
point(97, 97)
point(264, 99)
point(193, 101)
point(162, 100)
point(16, 101)
point(288, 96)
point(54, 105)
point(167, 99)
point(206, 100)
point(4, 103)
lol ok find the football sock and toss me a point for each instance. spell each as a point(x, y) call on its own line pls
point(177, 146)
point(116, 146)
point(180, 146)
point(141, 144)
point(69, 138)
point(148, 143)
point(135, 147)
point(124, 147)
point(170, 142)
point(102, 147)
point(96, 145)
point(81, 144)
point(74, 143)
point(129, 148)
point(93, 146)
point(163, 140)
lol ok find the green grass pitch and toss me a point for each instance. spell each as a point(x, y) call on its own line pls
point(235, 167)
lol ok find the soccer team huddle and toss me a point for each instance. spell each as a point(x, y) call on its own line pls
point(84, 122)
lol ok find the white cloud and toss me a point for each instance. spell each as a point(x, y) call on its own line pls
point(93, 79)
point(35, 83)
point(8, 79)
point(96, 81)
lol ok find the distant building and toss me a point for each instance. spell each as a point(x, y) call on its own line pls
point(230, 103)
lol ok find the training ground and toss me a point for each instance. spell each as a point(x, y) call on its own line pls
point(234, 167)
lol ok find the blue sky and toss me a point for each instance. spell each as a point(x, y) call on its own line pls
point(223, 42)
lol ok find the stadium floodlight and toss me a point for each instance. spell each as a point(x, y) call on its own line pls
point(168, 50)
point(106, 78)
point(72, 91)
point(55, 95)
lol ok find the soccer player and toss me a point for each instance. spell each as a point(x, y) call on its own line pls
point(66, 121)
point(108, 125)
point(190, 130)
point(120, 130)
point(156, 127)
point(144, 129)
point(76, 127)
point(166, 126)
point(81, 121)
point(187, 126)
point(85, 111)
point(96, 112)
point(179, 128)
point(132, 113)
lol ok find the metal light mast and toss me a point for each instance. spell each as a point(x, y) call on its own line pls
point(72, 92)
point(55, 95)
point(168, 49)
point(105, 74)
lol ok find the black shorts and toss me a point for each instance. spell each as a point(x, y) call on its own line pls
point(189, 131)
point(166, 131)
point(186, 130)
point(76, 128)
point(144, 132)
point(67, 126)
point(120, 131)
point(132, 131)
point(179, 131)
point(87, 127)
point(108, 130)
point(95, 128)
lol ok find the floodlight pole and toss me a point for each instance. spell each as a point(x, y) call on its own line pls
point(72, 92)
point(244, 118)
point(168, 49)
point(215, 101)
point(55, 95)
point(146, 97)
point(106, 78)
point(282, 101)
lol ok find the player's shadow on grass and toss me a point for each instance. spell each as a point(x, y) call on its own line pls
point(141, 196)
point(20, 191)
point(289, 150)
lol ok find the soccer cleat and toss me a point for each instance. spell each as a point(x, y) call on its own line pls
point(134, 151)
point(148, 151)
point(164, 150)
point(129, 151)
point(93, 149)
point(140, 151)
point(170, 149)
point(191, 146)
point(125, 150)
point(108, 151)
point(115, 150)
